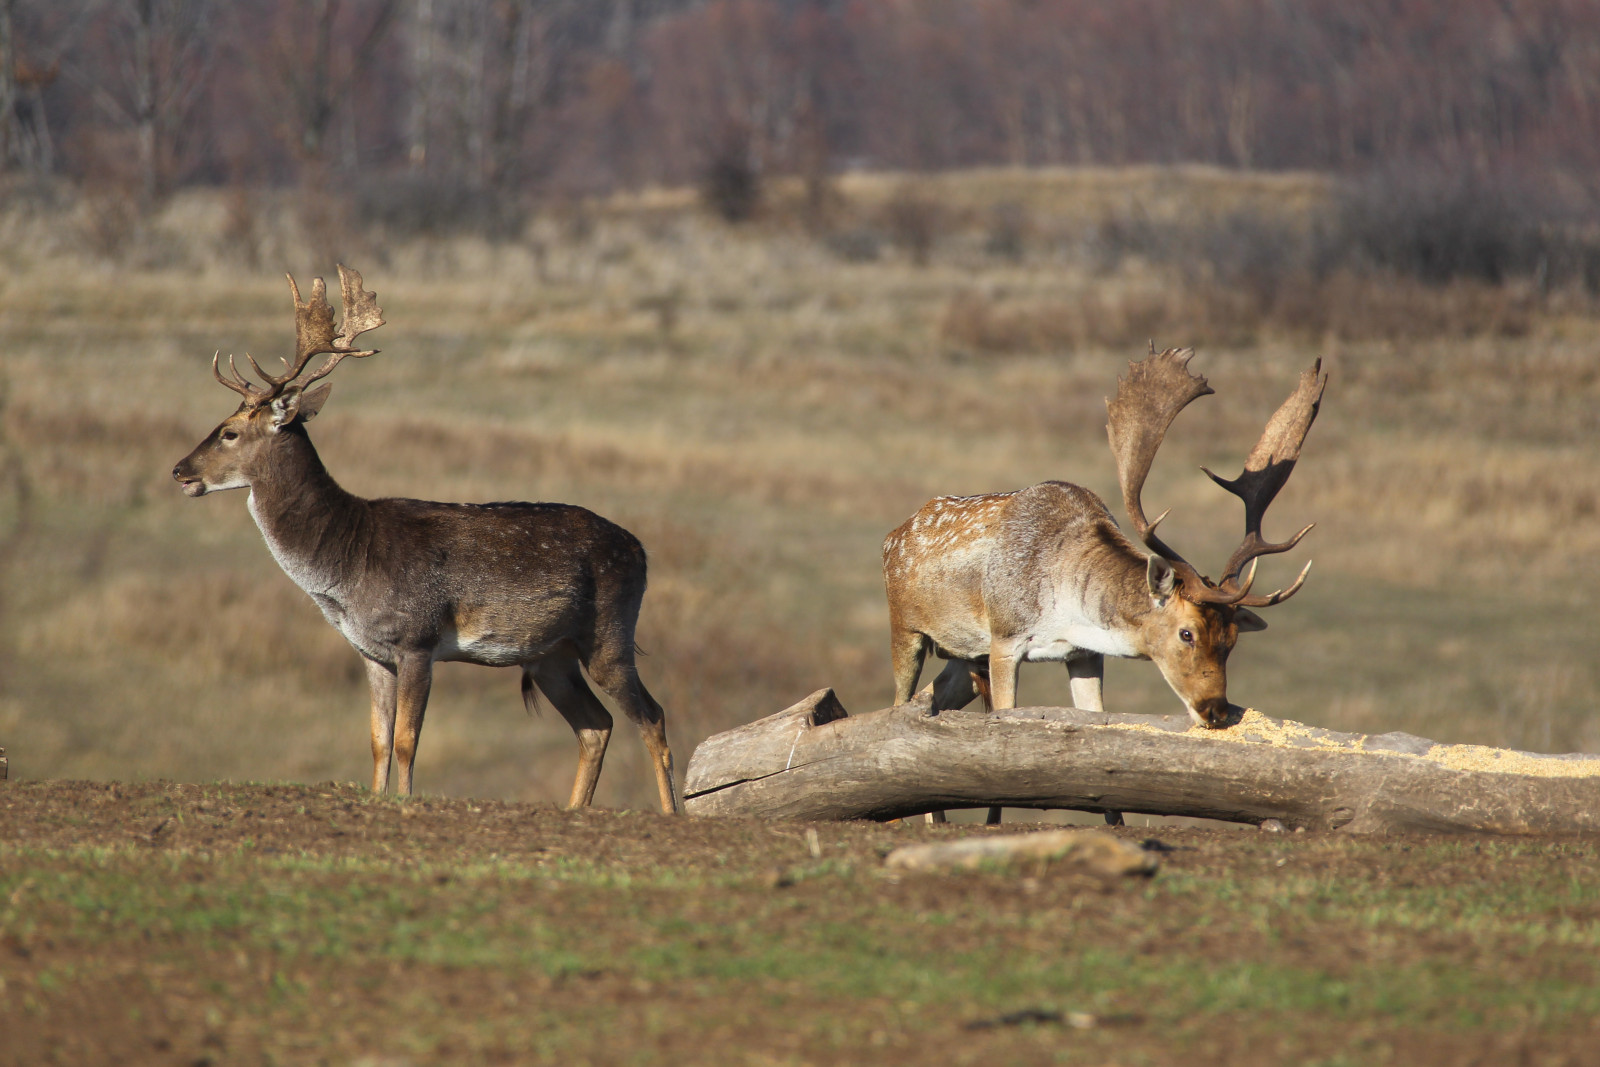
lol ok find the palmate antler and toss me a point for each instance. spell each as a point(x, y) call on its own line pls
point(1148, 399)
point(1265, 471)
point(314, 335)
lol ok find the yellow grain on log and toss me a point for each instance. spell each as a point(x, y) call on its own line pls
point(1254, 728)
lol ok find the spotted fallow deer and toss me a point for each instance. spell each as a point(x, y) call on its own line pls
point(550, 588)
point(1044, 573)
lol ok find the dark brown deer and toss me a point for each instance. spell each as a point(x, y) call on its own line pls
point(550, 588)
point(1044, 573)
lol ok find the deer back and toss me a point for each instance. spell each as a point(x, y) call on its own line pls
point(496, 583)
point(963, 568)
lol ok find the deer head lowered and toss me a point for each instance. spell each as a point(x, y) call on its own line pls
point(1043, 573)
point(549, 588)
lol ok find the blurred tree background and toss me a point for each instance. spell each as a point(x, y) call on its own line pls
point(440, 105)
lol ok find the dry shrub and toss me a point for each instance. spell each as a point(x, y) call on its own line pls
point(1434, 224)
point(730, 181)
point(241, 238)
point(1099, 318)
point(326, 216)
point(1008, 230)
point(914, 221)
point(109, 222)
point(1343, 306)
point(855, 244)
point(1367, 308)
point(409, 204)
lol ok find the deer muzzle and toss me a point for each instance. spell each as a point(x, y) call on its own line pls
point(1214, 712)
point(191, 484)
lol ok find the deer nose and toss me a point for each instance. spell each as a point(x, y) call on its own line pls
point(1213, 711)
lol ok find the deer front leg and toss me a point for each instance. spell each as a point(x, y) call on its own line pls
point(1004, 662)
point(1086, 678)
point(414, 680)
point(381, 686)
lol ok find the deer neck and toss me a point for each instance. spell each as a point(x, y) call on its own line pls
point(1118, 607)
point(312, 526)
point(1134, 608)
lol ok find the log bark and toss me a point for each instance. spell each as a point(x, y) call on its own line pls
point(817, 761)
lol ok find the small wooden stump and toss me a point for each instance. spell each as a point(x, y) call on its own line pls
point(817, 761)
point(4, 766)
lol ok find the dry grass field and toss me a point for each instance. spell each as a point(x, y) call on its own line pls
point(760, 404)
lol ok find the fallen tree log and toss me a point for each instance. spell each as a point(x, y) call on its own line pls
point(817, 761)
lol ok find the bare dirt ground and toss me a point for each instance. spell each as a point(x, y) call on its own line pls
point(220, 923)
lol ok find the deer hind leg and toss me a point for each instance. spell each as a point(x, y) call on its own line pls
point(907, 650)
point(562, 682)
point(414, 680)
point(958, 683)
point(619, 679)
point(653, 728)
point(381, 683)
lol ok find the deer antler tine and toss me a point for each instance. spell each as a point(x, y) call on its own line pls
point(216, 372)
point(1277, 596)
point(1249, 580)
point(1295, 540)
point(259, 372)
point(236, 381)
point(242, 380)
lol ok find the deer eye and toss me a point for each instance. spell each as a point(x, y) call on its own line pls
point(1186, 637)
point(230, 435)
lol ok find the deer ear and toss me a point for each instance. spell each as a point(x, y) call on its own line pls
point(311, 401)
point(1161, 578)
point(285, 408)
point(296, 403)
point(1248, 621)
